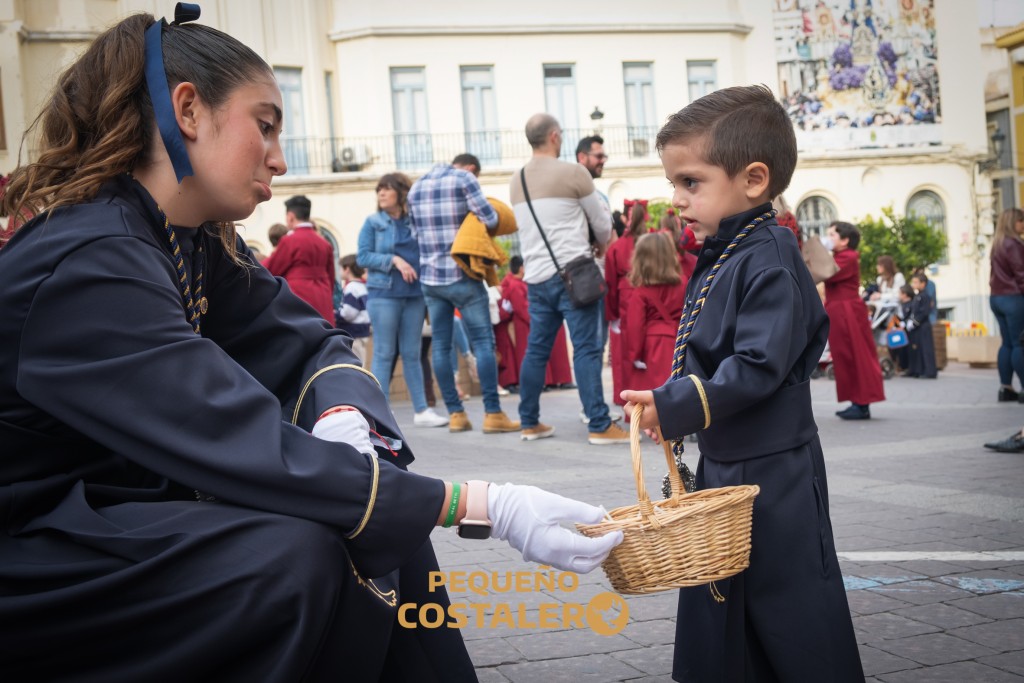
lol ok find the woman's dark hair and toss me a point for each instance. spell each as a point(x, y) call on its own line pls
point(888, 269)
point(98, 122)
point(618, 225)
point(400, 183)
point(848, 231)
point(637, 221)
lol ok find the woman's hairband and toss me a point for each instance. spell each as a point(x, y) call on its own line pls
point(159, 93)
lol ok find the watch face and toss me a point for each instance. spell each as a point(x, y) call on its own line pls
point(477, 531)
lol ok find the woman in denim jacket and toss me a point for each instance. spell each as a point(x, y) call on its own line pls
point(389, 252)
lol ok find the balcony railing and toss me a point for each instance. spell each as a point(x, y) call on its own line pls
point(417, 152)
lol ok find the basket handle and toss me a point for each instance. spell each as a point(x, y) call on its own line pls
point(646, 507)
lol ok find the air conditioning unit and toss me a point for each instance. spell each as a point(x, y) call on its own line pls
point(351, 158)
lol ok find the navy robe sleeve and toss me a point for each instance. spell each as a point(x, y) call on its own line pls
point(107, 351)
point(769, 337)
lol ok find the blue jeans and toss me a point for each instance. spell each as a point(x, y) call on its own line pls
point(1009, 312)
point(549, 305)
point(470, 297)
point(397, 330)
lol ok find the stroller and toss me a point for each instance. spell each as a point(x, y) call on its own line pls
point(884, 314)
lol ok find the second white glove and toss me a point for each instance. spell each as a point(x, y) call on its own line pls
point(529, 519)
point(346, 427)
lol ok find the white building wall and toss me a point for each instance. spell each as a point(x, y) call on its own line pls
point(358, 42)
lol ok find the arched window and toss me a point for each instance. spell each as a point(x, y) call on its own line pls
point(928, 206)
point(814, 215)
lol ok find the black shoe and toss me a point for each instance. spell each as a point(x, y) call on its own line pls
point(1012, 444)
point(567, 385)
point(855, 412)
point(513, 388)
point(1006, 394)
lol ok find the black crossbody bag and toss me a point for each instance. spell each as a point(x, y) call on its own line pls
point(583, 279)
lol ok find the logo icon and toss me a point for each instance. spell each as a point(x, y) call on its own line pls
point(607, 614)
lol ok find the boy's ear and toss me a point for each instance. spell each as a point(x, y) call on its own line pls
point(757, 177)
point(185, 100)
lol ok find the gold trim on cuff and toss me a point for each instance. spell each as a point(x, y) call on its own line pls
point(373, 460)
point(309, 383)
point(373, 500)
point(703, 400)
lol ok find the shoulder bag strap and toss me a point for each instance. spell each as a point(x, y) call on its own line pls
point(522, 177)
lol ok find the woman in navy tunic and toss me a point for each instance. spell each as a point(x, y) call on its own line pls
point(165, 512)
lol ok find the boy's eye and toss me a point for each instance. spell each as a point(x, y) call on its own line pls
point(690, 183)
point(266, 127)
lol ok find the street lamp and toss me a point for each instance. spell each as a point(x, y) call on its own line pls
point(997, 138)
point(596, 117)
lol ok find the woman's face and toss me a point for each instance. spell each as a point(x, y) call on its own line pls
point(236, 152)
point(880, 269)
point(1018, 225)
point(387, 198)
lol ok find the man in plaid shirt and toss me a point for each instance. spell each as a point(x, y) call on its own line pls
point(438, 203)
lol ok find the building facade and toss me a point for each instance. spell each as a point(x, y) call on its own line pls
point(373, 87)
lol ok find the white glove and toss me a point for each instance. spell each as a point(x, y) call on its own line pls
point(639, 365)
point(506, 305)
point(349, 427)
point(615, 326)
point(528, 518)
point(910, 325)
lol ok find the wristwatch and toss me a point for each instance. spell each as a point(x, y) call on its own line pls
point(475, 524)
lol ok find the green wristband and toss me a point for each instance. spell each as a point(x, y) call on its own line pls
point(453, 506)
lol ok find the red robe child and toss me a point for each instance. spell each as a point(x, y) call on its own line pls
point(306, 261)
point(617, 263)
point(514, 290)
point(854, 354)
point(649, 332)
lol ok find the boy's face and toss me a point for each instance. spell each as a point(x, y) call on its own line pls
point(704, 194)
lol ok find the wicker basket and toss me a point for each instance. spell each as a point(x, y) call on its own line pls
point(687, 539)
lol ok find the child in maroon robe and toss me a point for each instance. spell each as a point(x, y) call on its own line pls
point(650, 324)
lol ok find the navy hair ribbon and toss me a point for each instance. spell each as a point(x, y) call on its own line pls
point(160, 94)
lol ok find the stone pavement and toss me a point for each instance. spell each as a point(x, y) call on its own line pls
point(929, 526)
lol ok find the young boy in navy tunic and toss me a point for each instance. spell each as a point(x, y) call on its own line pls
point(753, 329)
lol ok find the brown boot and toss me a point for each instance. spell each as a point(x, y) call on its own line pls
point(538, 431)
point(459, 422)
point(496, 423)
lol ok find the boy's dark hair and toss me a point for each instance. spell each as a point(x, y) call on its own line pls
point(349, 261)
point(848, 231)
point(300, 206)
point(737, 127)
point(919, 274)
point(275, 232)
point(586, 143)
point(515, 264)
point(908, 290)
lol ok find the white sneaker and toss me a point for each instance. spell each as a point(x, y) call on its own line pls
point(583, 417)
point(502, 391)
point(428, 418)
